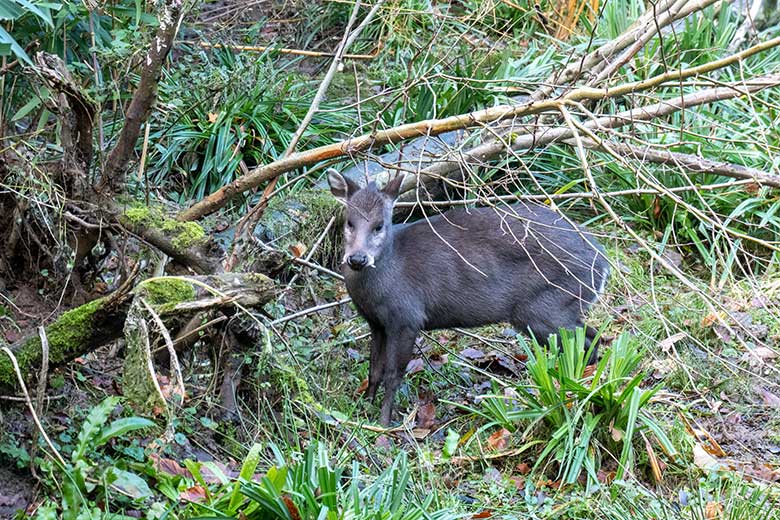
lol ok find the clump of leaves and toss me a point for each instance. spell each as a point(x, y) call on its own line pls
point(83, 477)
point(579, 419)
point(309, 485)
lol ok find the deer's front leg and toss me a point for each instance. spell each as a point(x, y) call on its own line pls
point(376, 367)
point(400, 346)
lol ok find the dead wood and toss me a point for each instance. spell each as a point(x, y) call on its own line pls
point(76, 112)
point(481, 154)
point(431, 127)
point(85, 328)
point(169, 16)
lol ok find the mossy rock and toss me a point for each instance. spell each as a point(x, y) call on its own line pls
point(301, 219)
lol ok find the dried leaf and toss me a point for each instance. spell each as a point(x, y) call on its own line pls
point(709, 319)
point(420, 433)
point(768, 397)
point(363, 387)
point(656, 207)
point(426, 416)
point(654, 462)
point(616, 433)
point(415, 365)
point(713, 511)
point(605, 477)
point(195, 494)
point(213, 117)
point(291, 507)
point(438, 360)
point(169, 466)
point(499, 439)
point(704, 460)
point(667, 343)
point(523, 468)
point(759, 355)
point(298, 250)
point(482, 514)
point(383, 441)
point(472, 353)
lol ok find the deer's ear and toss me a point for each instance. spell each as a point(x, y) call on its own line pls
point(341, 187)
point(393, 187)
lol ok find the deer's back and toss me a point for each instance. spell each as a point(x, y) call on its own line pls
point(469, 267)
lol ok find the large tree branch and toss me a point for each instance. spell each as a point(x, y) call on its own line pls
point(222, 196)
point(140, 107)
point(479, 155)
point(185, 242)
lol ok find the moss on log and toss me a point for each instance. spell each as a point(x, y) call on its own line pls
point(90, 326)
point(75, 332)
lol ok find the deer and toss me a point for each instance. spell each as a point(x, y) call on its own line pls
point(523, 264)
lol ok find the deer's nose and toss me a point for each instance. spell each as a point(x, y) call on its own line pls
point(357, 261)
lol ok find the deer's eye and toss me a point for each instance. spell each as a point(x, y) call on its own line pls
point(378, 228)
point(349, 224)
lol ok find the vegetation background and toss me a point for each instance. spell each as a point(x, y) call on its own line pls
point(176, 340)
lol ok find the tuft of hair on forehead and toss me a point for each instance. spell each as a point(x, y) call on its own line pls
point(367, 200)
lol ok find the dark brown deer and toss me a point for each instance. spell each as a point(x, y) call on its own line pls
point(524, 264)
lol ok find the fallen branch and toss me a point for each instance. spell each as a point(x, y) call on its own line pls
point(431, 127)
point(481, 154)
point(297, 52)
point(101, 321)
point(689, 162)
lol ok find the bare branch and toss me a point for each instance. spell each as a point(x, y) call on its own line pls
point(430, 127)
point(140, 107)
point(690, 162)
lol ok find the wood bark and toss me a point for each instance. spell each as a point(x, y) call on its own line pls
point(144, 97)
point(101, 321)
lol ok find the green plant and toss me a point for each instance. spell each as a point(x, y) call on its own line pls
point(578, 419)
point(237, 114)
point(309, 485)
point(26, 14)
point(85, 473)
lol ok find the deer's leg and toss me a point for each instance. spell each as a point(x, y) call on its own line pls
point(376, 367)
point(400, 346)
point(590, 334)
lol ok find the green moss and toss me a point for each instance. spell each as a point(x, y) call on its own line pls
point(189, 234)
point(183, 234)
point(68, 333)
point(167, 291)
point(302, 218)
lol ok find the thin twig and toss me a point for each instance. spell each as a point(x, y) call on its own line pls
point(310, 310)
point(297, 52)
point(175, 366)
point(312, 250)
point(29, 402)
point(247, 224)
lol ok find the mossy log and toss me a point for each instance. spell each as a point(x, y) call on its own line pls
point(101, 321)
